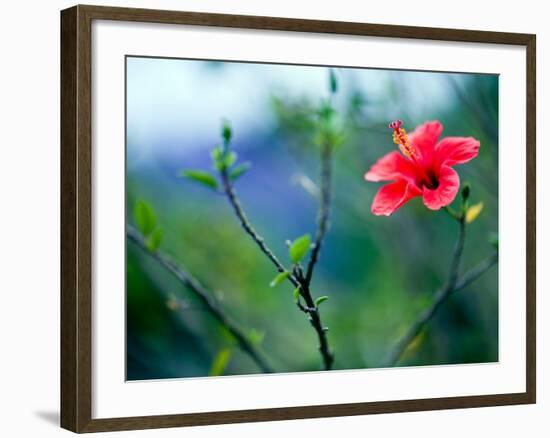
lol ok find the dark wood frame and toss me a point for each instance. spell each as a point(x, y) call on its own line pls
point(76, 225)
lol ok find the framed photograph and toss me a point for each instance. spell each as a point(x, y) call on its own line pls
point(270, 219)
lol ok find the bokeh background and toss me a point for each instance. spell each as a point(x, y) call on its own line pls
point(378, 272)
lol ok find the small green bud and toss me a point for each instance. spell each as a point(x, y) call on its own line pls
point(145, 217)
point(466, 191)
point(473, 212)
point(326, 112)
point(256, 336)
point(226, 132)
point(153, 241)
point(333, 82)
point(493, 239)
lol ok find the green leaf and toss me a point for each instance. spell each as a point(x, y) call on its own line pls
point(222, 159)
point(145, 217)
point(217, 158)
point(282, 276)
point(229, 159)
point(326, 112)
point(239, 171)
point(153, 242)
point(220, 362)
point(201, 177)
point(296, 294)
point(256, 336)
point(320, 300)
point(299, 248)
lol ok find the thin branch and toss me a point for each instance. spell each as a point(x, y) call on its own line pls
point(204, 295)
point(247, 226)
point(457, 254)
point(324, 209)
point(476, 272)
point(312, 310)
point(296, 278)
point(454, 283)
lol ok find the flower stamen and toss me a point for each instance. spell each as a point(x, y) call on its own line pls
point(401, 139)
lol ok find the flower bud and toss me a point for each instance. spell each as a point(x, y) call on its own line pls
point(226, 132)
point(333, 83)
point(473, 212)
point(493, 240)
point(466, 191)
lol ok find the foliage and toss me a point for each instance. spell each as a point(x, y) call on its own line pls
point(299, 248)
point(145, 217)
point(380, 273)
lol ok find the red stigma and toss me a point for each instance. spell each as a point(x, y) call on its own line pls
point(395, 125)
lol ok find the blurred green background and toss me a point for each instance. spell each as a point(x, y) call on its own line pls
point(379, 272)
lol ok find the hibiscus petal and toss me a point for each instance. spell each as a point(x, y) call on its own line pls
point(391, 167)
point(446, 191)
point(392, 196)
point(456, 150)
point(425, 137)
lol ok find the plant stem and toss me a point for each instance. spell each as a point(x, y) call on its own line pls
point(476, 272)
point(322, 228)
point(457, 254)
point(324, 209)
point(453, 284)
point(204, 295)
point(312, 310)
point(296, 278)
point(247, 226)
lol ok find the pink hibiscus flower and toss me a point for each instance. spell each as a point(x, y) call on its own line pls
point(425, 168)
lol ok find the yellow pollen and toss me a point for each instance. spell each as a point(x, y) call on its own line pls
point(401, 139)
